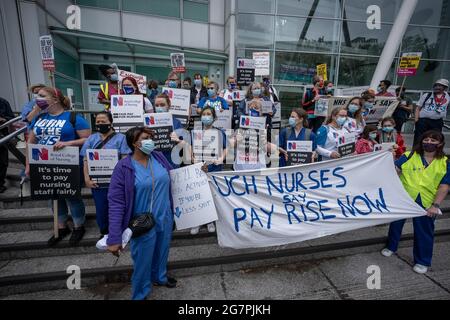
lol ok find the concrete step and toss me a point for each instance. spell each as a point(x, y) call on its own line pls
point(46, 273)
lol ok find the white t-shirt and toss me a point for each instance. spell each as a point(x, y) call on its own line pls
point(332, 141)
point(148, 106)
point(432, 109)
point(352, 126)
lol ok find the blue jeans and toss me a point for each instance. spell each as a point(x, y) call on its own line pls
point(423, 238)
point(150, 253)
point(77, 210)
point(100, 196)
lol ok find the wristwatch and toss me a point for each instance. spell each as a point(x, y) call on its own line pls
point(436, 205)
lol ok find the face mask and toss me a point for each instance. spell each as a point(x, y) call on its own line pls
point(368, 105)
point(147, 146)
point(128, 90)
point(267, 82)
point(207, 120)
point(103, 127)
point(429, 147)
point(373, 135)
point(114, 77)
point(198, 82)
point(353, 108)
point(254, 113)
point(329, 91)
point(341, 120)
point(42, 103)
point(232, 86)
point(379, 89)
point(172, 84)
point(256, 92)
point(211, 92)
point(388, 129)
point(160, 109)
point(292, 122)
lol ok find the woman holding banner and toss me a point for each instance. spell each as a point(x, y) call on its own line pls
point(328, 135)
point(297, 131)
point(388, 134)
point(60, 128)
point(425, 175)
point(130, 86)
point(104, 138)
point(355, 121)
point(140, 188)
point(217, 150)
point(255, 92)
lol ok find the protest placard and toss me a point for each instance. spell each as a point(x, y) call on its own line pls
point(347, 144)
point(321, 107)
point(251, 148)
point(127, 111)
point(262, 63)
point(383, 107)
point(178, 63)
point(140, 79)
point(299, 152)
point(245, 71)
point(206, 145)
point(180, 100)
point(162, 125)
point(101, 164)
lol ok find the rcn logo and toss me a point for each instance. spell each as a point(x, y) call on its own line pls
point(169, 93)
point(118, 101)
point(241, 63)
point(37, 154)
point(292, 146)
point(93, 156)
point(245, 121)
point(149, 120)
point(341, 140)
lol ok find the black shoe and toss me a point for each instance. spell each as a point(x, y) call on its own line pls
point(61, 235)
point(77, 235)
point(171, 283)
point(3, 189)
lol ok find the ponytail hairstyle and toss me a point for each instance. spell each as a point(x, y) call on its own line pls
point(56, 94)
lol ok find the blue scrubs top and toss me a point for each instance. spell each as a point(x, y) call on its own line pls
point(300, 137)
point(161, 211)
point(118, 142)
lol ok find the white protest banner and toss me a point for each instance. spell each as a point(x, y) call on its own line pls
point(386, 146)
point(206, 145)
point(251, 149)
point(54, 174)
point(299, 152)
point(127, 111)
point(262, 63)
point(321, 107)
point(180, 100)
point(272, 207)
point(383, 107)
point(334, 102)
point(101, 164)
point(193, 204)
point(266, 107)
point(140, 79)
point(347, 144)
point(178, 63)
point(162, 125)
point(224, 119)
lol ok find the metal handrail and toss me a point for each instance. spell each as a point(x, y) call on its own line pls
point(6, 124)
point(12, 135)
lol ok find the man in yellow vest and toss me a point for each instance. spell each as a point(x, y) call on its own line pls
point(425, 175)
point(109, 88)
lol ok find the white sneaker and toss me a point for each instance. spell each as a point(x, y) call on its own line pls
point(420, 268)
point(211, 227)
point(386, 252)
point(195, 230)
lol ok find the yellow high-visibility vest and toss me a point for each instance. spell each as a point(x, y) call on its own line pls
point(417, 179)
point(105, 89)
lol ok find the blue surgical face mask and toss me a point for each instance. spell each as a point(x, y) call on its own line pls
point(254, 113)
point(172, 84)
point(211, 92)
point(114, 77)
point(256, 92)
point(148, 146)
point(353, 108)
point(128, 89)
point(207, 120)
point(368, 105)
point(341, 120)
point(232, 86)
point(388, 129)
point(198, 82)
point(160, 109)
point(292, 122)
point(373, 135)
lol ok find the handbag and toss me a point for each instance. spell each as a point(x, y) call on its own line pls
point(144, 222)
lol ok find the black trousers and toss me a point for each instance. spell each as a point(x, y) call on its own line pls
point(3, 164)
point(399, 121)
point(424, 125)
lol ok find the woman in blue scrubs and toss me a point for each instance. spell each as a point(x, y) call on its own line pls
point(140, 184)
point(104, 138)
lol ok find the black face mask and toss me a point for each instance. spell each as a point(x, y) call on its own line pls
point(103, 128)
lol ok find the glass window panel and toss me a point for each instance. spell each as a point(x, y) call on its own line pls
point(307, 34)
point(155, 73)
point(257, 6)
point(290, 98)
point(300, 68)
point(195, 11)
point(357, 9)
point(255, 31)
point(432, 42)
point(109, 4)
point(322, 8)
point(358, 71)
point(432, 12)
point(357, 39)
point(94, 44)
point(64, 84)
point(67, 64)
point(428, 72)
point(169, 8)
